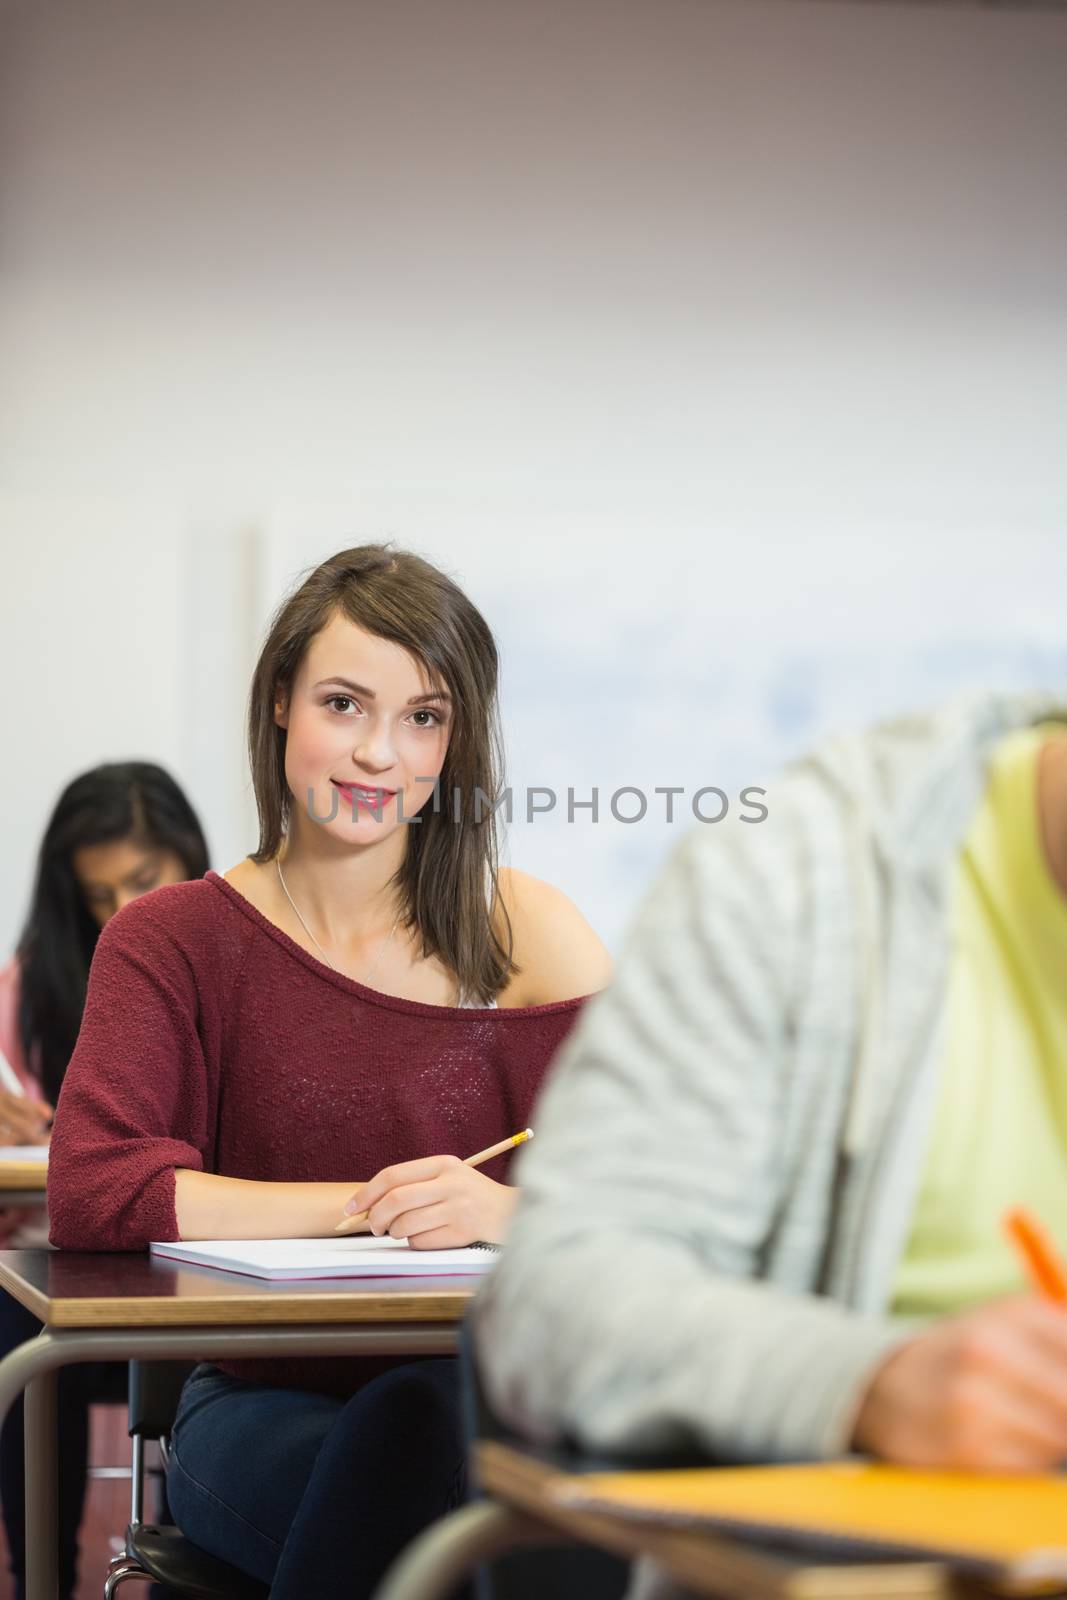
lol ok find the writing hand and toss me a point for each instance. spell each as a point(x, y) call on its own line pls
point(985, 1391)
point(23, 1121)
point(437, 1203)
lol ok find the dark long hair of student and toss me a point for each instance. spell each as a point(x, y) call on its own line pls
point(123, 800)
point(451, 859)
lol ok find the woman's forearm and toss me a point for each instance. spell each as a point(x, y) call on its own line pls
point(212, 1207)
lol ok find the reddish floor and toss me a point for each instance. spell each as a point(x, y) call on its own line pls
point(107, 1504)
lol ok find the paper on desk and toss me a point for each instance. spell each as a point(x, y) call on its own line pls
point(359, 1257)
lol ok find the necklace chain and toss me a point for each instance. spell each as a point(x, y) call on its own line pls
point(381, 948)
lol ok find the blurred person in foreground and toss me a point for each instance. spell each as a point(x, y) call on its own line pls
point(763, 1215)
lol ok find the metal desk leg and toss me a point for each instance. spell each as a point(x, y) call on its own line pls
point(42, 1543)
point(447, 1552)
point(32, 1366)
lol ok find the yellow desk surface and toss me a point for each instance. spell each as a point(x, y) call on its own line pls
point(23, 1175)
point(713, 1564)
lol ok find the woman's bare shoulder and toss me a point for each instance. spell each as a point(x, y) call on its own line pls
point(559, 954)
point(258, 883)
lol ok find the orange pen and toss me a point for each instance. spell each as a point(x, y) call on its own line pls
point(1034, 1244)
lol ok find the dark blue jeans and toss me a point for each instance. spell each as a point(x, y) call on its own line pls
point(311, 1494)
point(78, 1385)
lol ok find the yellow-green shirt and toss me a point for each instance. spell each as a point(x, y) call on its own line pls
point(1000, 1126)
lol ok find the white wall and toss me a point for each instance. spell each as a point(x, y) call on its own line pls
point(717, 344)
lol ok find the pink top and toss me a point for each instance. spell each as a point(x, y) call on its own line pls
point(19, 1227)
point(212, 1041)
point(10, 1047)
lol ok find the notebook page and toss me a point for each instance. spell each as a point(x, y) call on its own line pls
point(359, 1256)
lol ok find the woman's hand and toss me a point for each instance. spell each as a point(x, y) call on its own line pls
point(436, 1204)
point(23, 1121)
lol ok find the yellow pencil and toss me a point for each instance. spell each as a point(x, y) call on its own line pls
point(354, 1223)
point(498, 1149)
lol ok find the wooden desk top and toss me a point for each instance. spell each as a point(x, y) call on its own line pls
point(707, 1563)
point(23, 1175)
point(67, 1289)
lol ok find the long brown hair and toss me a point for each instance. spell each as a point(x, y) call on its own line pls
point(448, 879)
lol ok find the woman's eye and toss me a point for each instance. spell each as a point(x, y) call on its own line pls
point(343, 705)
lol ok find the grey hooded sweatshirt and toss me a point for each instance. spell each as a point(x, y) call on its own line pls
point(729, 1152)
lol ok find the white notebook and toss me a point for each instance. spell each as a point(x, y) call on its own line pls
point(362, 1256)
point(36, 1155)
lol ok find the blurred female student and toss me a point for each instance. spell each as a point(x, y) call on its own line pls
point(116, 832)
point(368, 996)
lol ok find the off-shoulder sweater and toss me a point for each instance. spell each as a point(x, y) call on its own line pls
point(212, 1041)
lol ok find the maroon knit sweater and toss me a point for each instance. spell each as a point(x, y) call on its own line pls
point(212, 1041)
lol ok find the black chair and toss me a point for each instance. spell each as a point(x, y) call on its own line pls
point(160, 1554)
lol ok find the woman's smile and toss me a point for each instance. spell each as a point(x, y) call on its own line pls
point(372, 798)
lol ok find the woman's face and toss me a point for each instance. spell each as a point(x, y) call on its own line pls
point(109, 875)
point(367, 733)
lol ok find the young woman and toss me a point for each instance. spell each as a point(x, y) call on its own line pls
point(366, 997)
point(116, 833)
